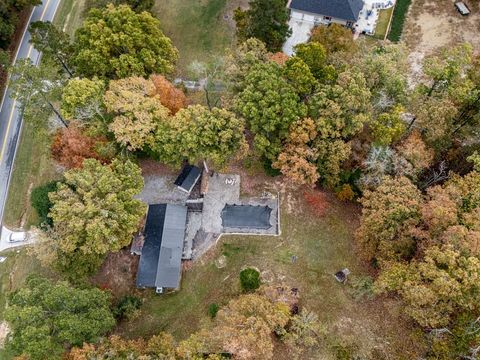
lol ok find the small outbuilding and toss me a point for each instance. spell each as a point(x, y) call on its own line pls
point(188, 178)
point(160, 261)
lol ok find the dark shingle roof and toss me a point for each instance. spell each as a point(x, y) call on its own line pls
point(147, 268)
point(188, 177)
point(160, 262)
point(340, 9)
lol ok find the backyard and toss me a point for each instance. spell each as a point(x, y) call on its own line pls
point(310, 250)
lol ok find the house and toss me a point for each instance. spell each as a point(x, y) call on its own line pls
point(343, 12)
point(161, 254)
point(188, 178)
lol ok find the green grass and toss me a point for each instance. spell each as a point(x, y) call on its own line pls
point(70, 15)
point(33, 166)
point(322, 247)
point(382, 23)
point(398, 19)
point(196, 27)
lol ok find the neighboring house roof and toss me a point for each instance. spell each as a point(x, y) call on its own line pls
point(340, 9)
point(246, 216)
point(160, 262)
point(188, 177)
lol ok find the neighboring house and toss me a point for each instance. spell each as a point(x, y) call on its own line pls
point(344, 12)
point(161, 257)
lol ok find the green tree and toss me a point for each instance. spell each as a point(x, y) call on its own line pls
point(52, 42)
point(82, 99)
point(116, 42)
point(41, 203)
point(270, 105)
point(434, 289)
point(334, 38)
point(298, 74)
point(388, 127)
point(266, 20)
point(37, 86)
point(388, 215)
point(45, 317)
point(197, 133)
point(314, 55)
point(94, 211)
point(138, 114)
point(240, 60)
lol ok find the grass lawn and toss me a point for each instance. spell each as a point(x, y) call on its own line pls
point(382, 23)
point(197, 28)
point(323, 245)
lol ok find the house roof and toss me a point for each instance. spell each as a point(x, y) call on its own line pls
point(188, 177)
point(169, 263)
point(246, 216)
point(147, 268)
point(160, 262)
point(340, 9)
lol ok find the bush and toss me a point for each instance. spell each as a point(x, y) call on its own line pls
point(213, 310)
point(269, 170)
point(249, 279)
point(399, 14)
point(41, 203)
point(127, 307)
point(345, 193)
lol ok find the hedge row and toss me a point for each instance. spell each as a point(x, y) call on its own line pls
point(398, 19)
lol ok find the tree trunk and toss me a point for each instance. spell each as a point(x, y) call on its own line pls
point(59, 116)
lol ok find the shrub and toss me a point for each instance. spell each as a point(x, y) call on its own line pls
point(213, 310)
point(345, 193)
point(249, 279)
point(398, 18)
point(127, 307)
point(41, 203)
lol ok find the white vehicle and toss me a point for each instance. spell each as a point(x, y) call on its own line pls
point(18, 237)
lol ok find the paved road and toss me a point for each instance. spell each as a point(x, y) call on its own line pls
point(10, 115)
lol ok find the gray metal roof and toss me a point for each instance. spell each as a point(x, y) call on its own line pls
point(169, 263)
point(340, 9)
point(160, 262)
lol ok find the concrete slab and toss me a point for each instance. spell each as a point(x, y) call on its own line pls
point(5, 239)
point(222, 189)
point(161, 190)
point(300, 34)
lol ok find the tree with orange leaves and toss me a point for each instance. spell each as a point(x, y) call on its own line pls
point(297, 159)
point(172, 98)
point(70, 147)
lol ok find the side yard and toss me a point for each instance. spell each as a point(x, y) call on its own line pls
point(434, 24)
point(307, 254)
point(200, 30)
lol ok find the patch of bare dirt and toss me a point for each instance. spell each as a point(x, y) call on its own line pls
point(118, 273)
point(432, 25)
point(152, 167)
point(4, 330)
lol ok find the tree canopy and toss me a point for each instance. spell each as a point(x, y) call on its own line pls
point(266, 20)
point(115, 42)
point(45, 317)
point(94, 211)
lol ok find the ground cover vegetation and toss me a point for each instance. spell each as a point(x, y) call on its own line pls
point(339, 115)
